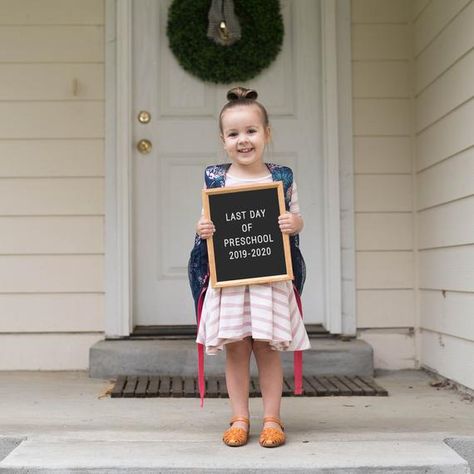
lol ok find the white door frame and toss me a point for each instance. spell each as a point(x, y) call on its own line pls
point(340, 315)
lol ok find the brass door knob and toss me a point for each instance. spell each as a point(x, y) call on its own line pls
point(144, 146)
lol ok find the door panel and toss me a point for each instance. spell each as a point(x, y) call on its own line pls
point(184, 133)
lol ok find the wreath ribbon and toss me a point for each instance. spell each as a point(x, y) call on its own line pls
point(224, 26)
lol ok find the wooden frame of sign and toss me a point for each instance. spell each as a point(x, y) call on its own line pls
point(248, 246)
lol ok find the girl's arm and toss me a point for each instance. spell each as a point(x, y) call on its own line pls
point(205, 228)
point(292, 222)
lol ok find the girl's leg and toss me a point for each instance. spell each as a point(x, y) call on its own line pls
point(237, 377)
point(270, 374)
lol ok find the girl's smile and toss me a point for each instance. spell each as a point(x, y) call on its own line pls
point(244, 137)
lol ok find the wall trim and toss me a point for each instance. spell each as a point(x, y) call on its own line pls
point(330, 146)
point(338, 167)
point(337, 152)
point(346, 168)
point(118, 143)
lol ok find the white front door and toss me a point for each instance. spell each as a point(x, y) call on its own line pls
point(183, 131)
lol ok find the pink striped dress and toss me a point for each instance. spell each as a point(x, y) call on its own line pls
point(266, 312)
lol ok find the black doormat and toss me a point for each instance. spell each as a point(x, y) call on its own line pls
point(141, 386)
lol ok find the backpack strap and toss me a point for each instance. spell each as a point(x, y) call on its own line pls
point(285, 174)
point(214, 175)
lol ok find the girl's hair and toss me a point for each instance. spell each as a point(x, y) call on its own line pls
point(242, 96)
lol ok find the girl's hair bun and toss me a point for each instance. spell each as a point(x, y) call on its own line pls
point(241, 93)
point(240, 96)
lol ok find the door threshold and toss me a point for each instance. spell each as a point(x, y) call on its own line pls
point(188, 331)
point(185, 331)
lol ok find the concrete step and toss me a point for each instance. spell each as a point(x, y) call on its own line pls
point(327, 356)
point(61, 455)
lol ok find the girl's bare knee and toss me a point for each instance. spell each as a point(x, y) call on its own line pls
point(261, 347)
point(243, 346)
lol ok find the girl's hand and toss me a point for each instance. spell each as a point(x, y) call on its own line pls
point(290, 223)
point(205, 228)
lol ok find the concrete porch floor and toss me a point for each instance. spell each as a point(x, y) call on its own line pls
point(58, 423)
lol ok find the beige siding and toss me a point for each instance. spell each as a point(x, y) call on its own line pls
point(33, 351)
point(51, 12)
point(393, 348)
point(450, 356)
point(385, 308)
point(58, 119)
point(450, 91)
point(34, 158)
point(382, 155)
point(445, 137)
point(448, 313)
point(413, 89)
point(37, 235)
point(52, 81)
point(382, 127)
point(418, 6)
point(444, 198)
point(51, 182)
point(446, 225)
point(51, 43)
point(384, 231)
point(434, 19)
point(52, 312)
point(380, 11)
point(371, 41)
point(446, 45)
point(387, 79)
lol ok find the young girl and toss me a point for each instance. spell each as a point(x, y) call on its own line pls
point(264, 318)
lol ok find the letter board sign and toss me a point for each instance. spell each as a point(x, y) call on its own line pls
point(247, 246)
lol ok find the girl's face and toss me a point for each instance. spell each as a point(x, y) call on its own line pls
point(244, 134)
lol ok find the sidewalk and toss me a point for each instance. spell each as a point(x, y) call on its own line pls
point(65, 427)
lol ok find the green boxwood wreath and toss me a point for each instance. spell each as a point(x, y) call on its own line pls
point(262, 28)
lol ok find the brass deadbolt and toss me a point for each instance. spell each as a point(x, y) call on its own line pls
point(144, 116)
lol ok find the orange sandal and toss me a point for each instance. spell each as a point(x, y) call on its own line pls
point(236, 436)
point(272, 437)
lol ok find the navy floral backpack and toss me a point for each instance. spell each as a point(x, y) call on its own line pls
point(198, 270)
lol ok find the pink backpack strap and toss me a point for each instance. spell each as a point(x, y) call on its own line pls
point(200, 348)
point(201, 381)
point(298, 355)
